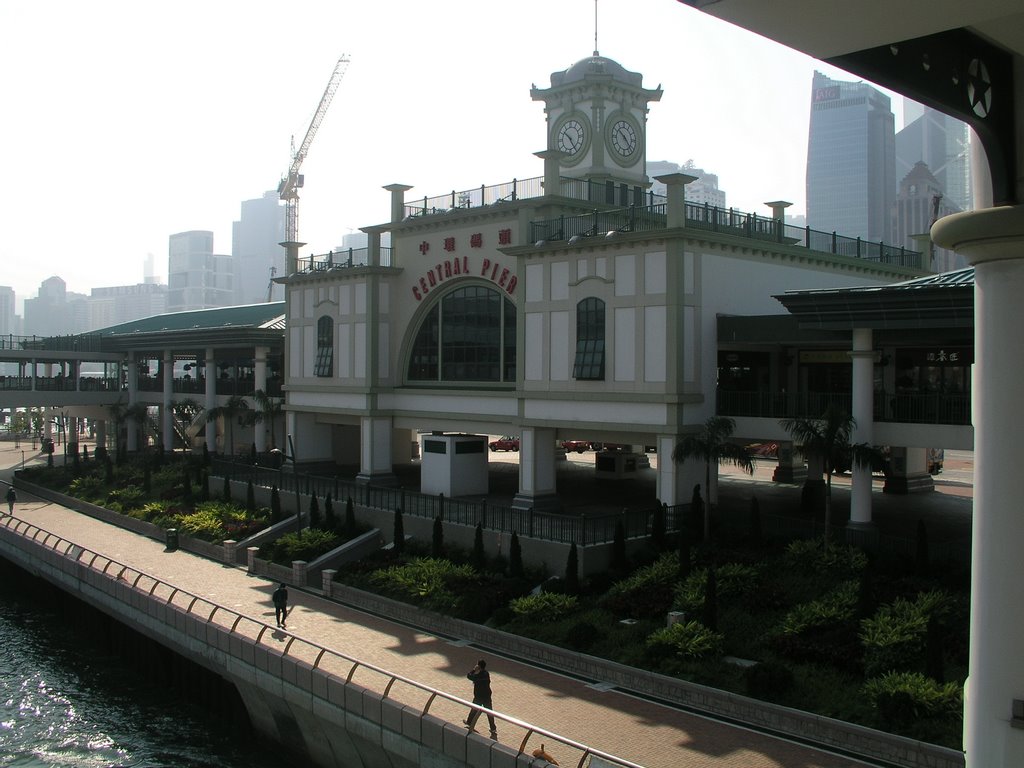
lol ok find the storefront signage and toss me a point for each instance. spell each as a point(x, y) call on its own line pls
point(463, 266)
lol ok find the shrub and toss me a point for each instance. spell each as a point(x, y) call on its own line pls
point(203, 524)
point(572, 571)
point(350, 515)
point(307, 544)
point(515, 558)
point(315, 521)
point(437, 540)
point(88, 488)
point(904, 698)
point(544, 607)
point(835, 607)
point(686, 639)
point(425, 581)
point(818, 556)
point(730, 579)
point(330, 519)
point(479, 555)
point(250, 496)
point(399, 530)
point(124, 499)
point(647, 593)
point(582, 635)
point(275, 504)
point(895, 637)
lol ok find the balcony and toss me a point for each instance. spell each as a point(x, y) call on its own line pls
point(901, 408)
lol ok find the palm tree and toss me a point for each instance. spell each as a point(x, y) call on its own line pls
point(184, 411)
point(828, 439)
point(120, 413)
point(235, 408)
point(268, 409)
point(713, 446)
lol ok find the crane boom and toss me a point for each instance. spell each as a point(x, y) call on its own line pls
point(288, 189)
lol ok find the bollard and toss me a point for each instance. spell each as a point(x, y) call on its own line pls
point(172, 540)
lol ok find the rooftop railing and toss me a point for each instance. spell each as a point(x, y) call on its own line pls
point(85, 342)
point(344, 259)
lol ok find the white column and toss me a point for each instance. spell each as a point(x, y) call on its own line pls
point(674, 481)
point(211, 399)
point(131, 427)
point(537, 470)
point(863, 414)
point(993, 241)
point(166, 414)
point(259, 437)
point(375, 451)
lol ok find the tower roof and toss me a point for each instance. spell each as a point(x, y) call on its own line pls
point(595, 65)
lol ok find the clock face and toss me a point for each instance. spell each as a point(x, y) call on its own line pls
point(571, 137)
point(624, 138)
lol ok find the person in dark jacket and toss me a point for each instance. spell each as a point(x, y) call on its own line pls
point(281, 605)
point(11, 498)
point(481, 695)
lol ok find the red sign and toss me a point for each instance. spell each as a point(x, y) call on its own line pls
point(491, 270)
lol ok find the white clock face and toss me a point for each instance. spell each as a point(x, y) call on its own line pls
point(571, 137)
point(623, 138)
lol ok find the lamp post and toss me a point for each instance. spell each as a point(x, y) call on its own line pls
point(23, 460)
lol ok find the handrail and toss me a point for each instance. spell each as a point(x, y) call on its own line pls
point(32, 532)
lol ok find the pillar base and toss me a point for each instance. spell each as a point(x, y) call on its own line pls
point(547, 502)
point(917, 482)
point(863, 535)
point(789, 475)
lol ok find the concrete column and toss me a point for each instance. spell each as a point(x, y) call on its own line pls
point(166, 409)
point(101, 433)
point(372, 247)
point(259, 431)
point(993, 241)
point(863, 357)
point(130, 425)
point(675, 186)
point(397, 201)
point(551, 158)
point(674, 482)
point(211, 399)
point(375, 451)
point(537, 471)
point(791, 468)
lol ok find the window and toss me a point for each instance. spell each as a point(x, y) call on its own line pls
point(469, 335)
point(589, 365)
point(324, 347)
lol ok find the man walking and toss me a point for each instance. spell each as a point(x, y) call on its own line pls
point(481, 695)
point(281, 605)
point(11, 498)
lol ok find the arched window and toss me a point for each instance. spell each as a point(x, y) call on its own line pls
point(324, 347)
point(589, 365)
point(469, 335)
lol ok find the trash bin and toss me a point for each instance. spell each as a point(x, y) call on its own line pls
point(172, 539)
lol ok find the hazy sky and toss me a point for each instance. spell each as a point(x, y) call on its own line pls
point(124, 121)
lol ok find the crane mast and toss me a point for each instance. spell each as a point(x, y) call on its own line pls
point(288, 189)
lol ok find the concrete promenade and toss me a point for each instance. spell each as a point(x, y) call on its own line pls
point(638, 730)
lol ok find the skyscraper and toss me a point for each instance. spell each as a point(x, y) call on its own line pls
point(256, 248)
point(851, 164)
point(703, 190)
point(943, 144)
point(919, 203)
point(197, 278)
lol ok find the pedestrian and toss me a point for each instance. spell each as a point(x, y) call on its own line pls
point(281, 605)
point(11, 498)
point(481, 695)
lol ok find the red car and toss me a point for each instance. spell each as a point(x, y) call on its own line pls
point(579, 446)
point(504, 443)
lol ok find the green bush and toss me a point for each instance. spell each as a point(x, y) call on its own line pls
point(817, 556)
point(544, 607)
point(307, 544)
point(424, 580)
point(125, 498)
point(647, 593)
point(731, 579)
point(686, 639)
point(894, 638)
point(87, 488)
point(837, 606)
point(903, 699)
point(582, 635)
point(202, 524)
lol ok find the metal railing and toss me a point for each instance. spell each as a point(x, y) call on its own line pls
point(85, 342)
point(476, 197)
point(326, 660)
point(928, 408)
point(345, 259)
point(559, 528)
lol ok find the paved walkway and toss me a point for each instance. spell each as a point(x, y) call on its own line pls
point(638, 730)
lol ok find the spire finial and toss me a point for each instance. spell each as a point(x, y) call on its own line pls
point(595, 29)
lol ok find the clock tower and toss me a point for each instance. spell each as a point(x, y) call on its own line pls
point(597, 117)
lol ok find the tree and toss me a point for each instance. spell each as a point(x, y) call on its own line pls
point(235, 409)
point(399, 531)
point(350, 516)
point(713, 446)
point(275, 505)
point(619, 561)
point(120, 414)
point(479, 555)
point(572, 571)
point(268, 409)
point(828, 440)
point(250, 496)
point(515, 558)
point(658, 524)
point(437, 542)
point(330, 521)
point(314, 511)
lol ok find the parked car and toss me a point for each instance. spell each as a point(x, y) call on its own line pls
point(504, 443)
point(579, 446)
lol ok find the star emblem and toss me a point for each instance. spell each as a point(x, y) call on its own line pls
point(979, 88)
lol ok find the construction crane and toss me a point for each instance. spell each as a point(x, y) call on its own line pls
point(270, 285)
point(288, 189)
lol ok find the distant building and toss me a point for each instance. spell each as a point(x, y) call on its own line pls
point(256, 249)
point(197, 278)
point(7, 316)
point(119, 304)
point(703, 190)
point(943, 144)
point(54, 311)
point(918, 205)
point(851, 164)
